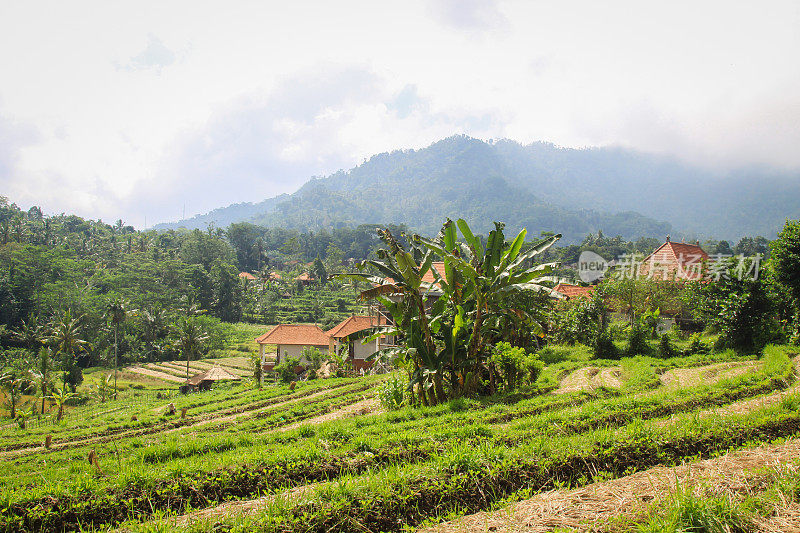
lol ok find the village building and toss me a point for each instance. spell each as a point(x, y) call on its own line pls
point(247, 276)
point(675, 261)
point(305, 278)
point(570, 292)
point(348, 336)
point(290, 340)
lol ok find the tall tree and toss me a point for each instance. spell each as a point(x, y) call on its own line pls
point(66, 340)
point(191, 339)
point(117, 311)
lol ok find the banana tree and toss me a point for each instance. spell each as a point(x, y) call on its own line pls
point(60, 398)
point(481, 279)
point(398, 282)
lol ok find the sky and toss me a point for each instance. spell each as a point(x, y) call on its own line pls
point(147, 110)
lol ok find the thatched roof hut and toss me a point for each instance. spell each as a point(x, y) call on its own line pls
point(204, 380)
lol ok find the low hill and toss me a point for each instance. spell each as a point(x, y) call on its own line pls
point(538, 186)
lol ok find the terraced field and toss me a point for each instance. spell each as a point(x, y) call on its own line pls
point(326, 457)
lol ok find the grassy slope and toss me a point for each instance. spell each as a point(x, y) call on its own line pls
point(406, 440)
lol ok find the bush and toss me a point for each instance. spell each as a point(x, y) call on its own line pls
point(534, 366)
point(637, 341)
point(619, 330)
point(391, 393)
point(313, 356)
point(78, 399)
point(578, 320)
point(665, 347)
point(603, 346)
point(551, 355)
point(696, 346)
point(285, 370)
point(514, 364)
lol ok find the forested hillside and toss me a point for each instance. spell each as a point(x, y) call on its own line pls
point(87, 279)
point(539, 186)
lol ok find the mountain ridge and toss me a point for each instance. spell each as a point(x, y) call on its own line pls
point(539, 185)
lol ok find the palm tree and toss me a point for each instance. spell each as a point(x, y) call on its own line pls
point(42, 373)
point(191, 338)
point(66, 337)
point(14, 385)
point(30, 333)
point(117, 313)
point(60, 398)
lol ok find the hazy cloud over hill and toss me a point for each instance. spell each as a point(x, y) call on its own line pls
point(143, 107)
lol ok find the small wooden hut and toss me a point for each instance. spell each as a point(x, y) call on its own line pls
point(204, 380)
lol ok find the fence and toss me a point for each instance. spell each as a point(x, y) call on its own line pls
point(93, 409)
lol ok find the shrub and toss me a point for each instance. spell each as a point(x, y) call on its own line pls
point(696, 346)
point(313, 356)
point(534, 366)
point(637, 341)
point(514, 364)
point(578, 320)
point(603, 346)
point(285, 370)
point(619, 330)
point(665, 347)
point(551, 355)
point(391, 393)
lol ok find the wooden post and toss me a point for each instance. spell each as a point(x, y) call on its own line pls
point(292, 385)
point(93, 460)
point(48, 441)
point(183, 412)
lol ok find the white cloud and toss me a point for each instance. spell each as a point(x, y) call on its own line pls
point(154, 56)
point(140, 106)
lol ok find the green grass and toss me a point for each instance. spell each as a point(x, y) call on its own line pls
point(410, 465)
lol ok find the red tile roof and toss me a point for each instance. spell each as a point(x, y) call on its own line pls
point(573, 291)
point(296, 334)
point(674, 260)
point(353, 324)
point(246, 275)
point(439, 266)
point(274, 276)
point(305, 276)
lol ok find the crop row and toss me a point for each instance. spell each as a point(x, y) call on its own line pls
point(201, 406)
point(303, 462)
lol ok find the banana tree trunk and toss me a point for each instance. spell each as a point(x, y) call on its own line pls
point(441, 397)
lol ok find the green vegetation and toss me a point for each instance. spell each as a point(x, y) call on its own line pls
point(499, 390)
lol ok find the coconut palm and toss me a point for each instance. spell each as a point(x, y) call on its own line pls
point(42, 372)
point(31, 333)
point(191, 339)
point(117, 312)
point(66, 340)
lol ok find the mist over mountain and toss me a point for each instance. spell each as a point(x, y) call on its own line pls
point(539, 186)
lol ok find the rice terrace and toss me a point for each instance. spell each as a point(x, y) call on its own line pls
point(437, 266)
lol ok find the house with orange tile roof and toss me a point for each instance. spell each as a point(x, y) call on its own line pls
point(573, 291)
point(675, 261)
point(247, 276)
point(290, 339)
point(349, 335)
point(305, 278)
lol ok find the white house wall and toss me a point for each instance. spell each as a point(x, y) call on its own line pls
point(294, 350)
point(362, 351)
